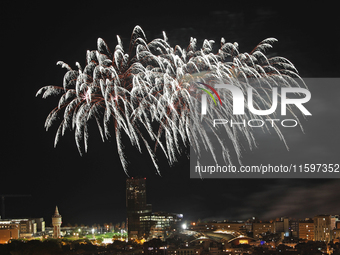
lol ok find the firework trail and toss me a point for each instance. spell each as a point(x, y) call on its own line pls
point(150, 93)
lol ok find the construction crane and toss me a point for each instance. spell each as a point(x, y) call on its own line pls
point(3, 202)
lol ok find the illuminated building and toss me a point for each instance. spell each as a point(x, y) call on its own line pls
point(322, 228)
point(334, 219)
point(27, 227)
point(56, 222)
point(162, 223)
point(306, 230)
point(21, 228)
point(230, 227)
point(8, 231)
point(185, 251)
point(241, 240)
point(141, 222)
point(286, 227)
point(40, 224)
point(336, 235)
point(260, 229)
point(137, 207)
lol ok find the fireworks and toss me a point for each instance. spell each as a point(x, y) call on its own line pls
point(150, 93)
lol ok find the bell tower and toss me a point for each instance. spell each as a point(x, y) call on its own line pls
point(56, 222)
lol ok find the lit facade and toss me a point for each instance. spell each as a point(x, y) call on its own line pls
point(162, 223)
point(262, 228)
point(8, 231)
point(322, 228)
point(22, 228)
point(141, 222)
point(306, 230)
point(334, 220)
point(27, 228)
point(40, 224)
point(228, 227)
point(185, 251)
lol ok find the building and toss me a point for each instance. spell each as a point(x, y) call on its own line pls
point(241, 240)
point(8, 231)
point(162, 223)
point(306, 230)
point(56, 222)
point(260, 229)
point(184, 251)
point(286, 226)
point(279, 227)
point(40, 225)
point(26, 228)
point(334, 220)
point(322, 228)
point(141, 222)
point(227, 227)
point(336, 234)
point(294, 228)
point(137, 207)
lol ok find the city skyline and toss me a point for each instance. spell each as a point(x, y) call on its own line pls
point(150, 226)
point(142, 224)
point(90, 188)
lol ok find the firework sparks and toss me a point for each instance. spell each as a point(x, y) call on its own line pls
point(155, 84)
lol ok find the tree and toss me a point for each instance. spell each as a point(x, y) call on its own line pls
point(99, 240)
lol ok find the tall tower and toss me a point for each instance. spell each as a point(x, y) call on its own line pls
point(138, 211)
point(56, 222)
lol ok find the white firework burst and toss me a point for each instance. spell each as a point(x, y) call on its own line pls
point(150, 93)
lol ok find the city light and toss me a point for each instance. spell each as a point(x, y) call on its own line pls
point(319, 228)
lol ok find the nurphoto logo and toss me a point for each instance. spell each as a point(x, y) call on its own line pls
point(238, 104)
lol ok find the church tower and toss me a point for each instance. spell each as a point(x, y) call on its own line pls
point(56, 222)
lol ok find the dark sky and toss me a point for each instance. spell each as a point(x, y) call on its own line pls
point(91, 189)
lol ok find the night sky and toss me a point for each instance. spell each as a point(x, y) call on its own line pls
point(91, 188)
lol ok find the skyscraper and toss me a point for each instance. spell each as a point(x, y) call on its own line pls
point(136, 207)
point(56, 222)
